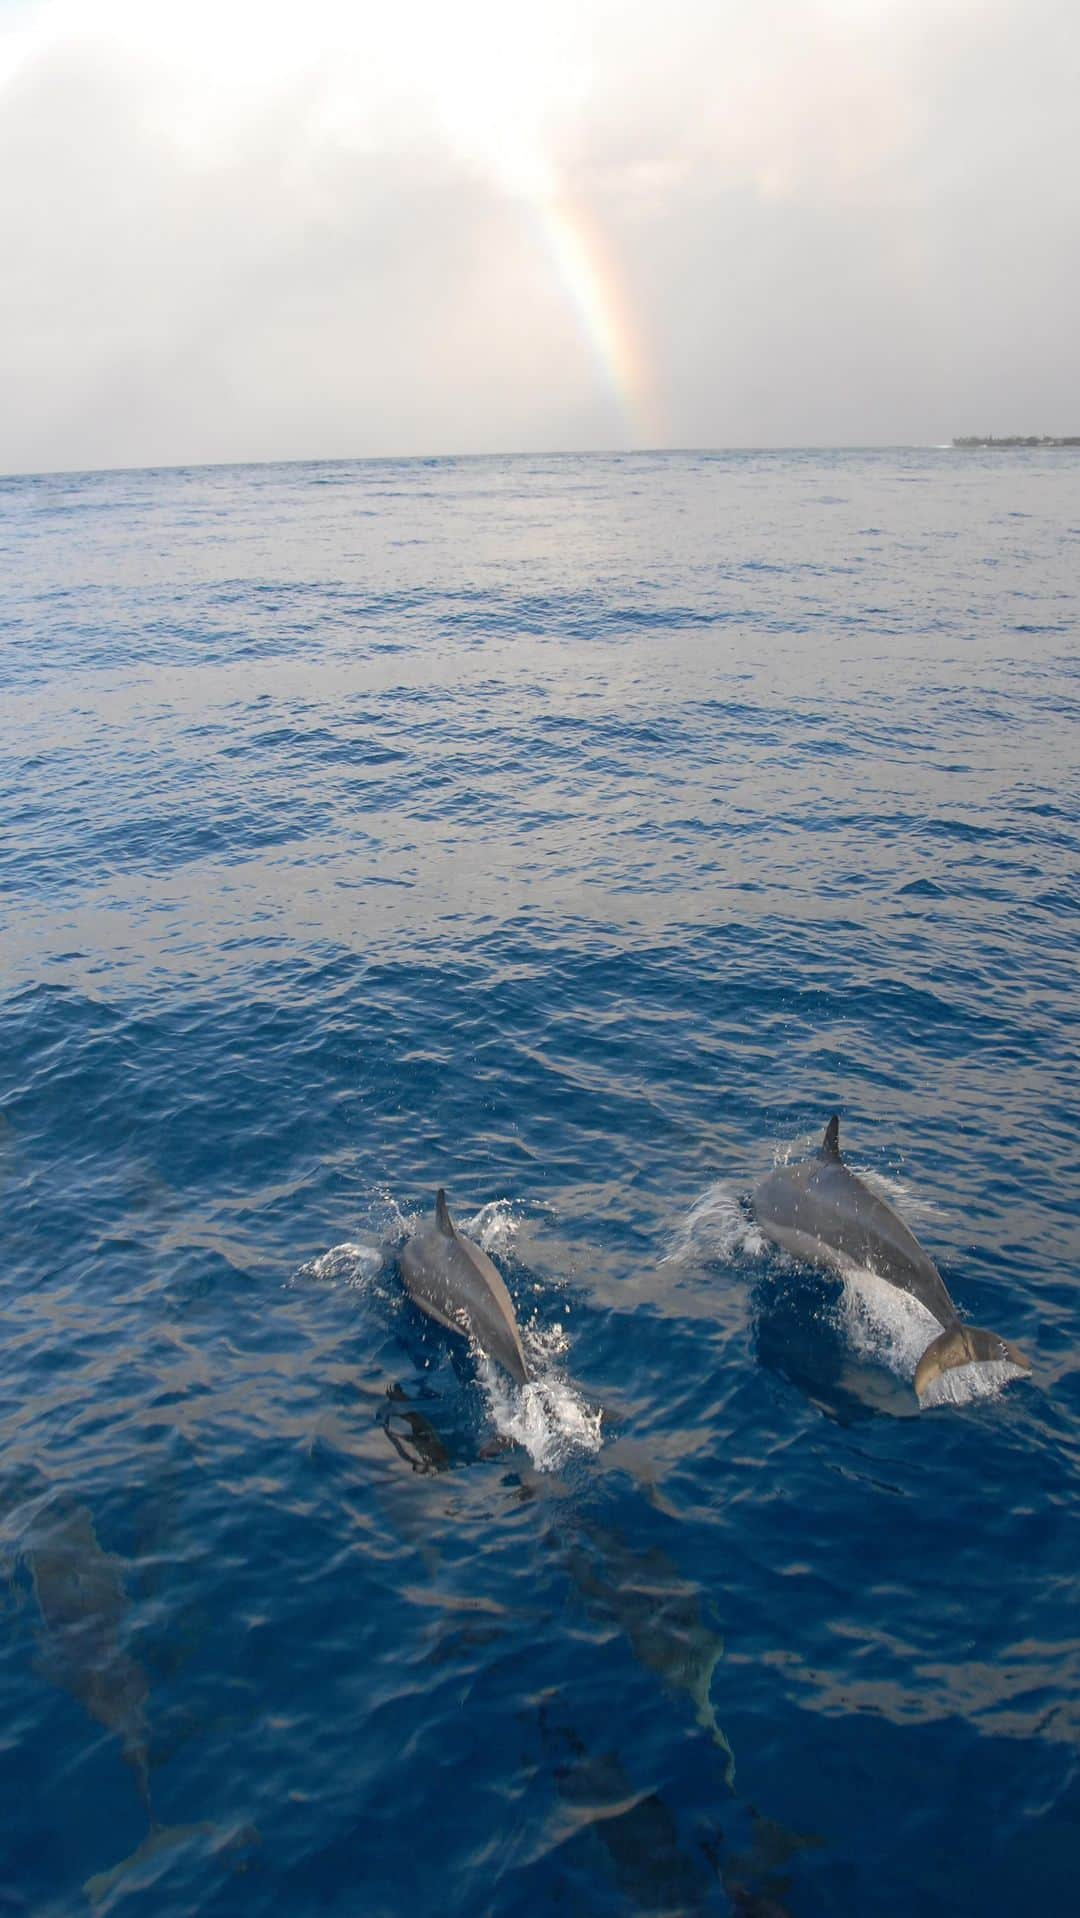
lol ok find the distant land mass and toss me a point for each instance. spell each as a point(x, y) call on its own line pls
point(1031, 439)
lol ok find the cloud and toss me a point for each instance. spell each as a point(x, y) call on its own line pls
point(239, 232)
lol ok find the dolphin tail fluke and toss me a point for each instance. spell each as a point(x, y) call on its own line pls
point(965, 1345)
point(708, 1721)
point(706, 1715)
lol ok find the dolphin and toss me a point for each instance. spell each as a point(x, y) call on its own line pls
point(660, 1614)
point(819, 1211)
point(82, 1605)
point(455, 1283)
point(637, 1829)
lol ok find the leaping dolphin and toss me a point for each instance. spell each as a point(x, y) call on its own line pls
point(455, 1283)
point(819, 1211)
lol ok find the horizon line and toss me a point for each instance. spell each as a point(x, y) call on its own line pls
point(520, 453)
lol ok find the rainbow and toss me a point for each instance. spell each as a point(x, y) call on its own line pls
point(598, 294)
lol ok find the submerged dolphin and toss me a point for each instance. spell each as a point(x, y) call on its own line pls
point(818, 1210)
point(455, 1283)
point(81, 1599)
point(83, 1607)
point(669, 1631)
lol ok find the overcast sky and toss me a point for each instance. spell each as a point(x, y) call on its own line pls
point(233, 229)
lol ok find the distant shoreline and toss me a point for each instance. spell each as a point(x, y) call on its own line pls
point(1032, 439)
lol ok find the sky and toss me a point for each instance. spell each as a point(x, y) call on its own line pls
point(241, 230)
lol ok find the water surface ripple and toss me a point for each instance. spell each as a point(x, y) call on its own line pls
point(575, 833)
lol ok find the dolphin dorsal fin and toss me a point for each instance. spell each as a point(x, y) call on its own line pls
point(442, 1214)
point(829, 1149)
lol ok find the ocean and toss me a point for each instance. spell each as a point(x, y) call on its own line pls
point(576, 834)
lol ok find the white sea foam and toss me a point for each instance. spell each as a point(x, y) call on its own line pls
point(881, 1322)
point(358, 1262)
point(717, 1226)
point(387, 1221)
point(548, 1416)
point(495, 1226)
point(545, 1343)
point(353, 1263)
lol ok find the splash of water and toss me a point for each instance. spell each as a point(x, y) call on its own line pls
point(547, 1417)
point(717, 1226)
point(353, 1263)
point(358, 1262)
point(494, 1227)
point(546, 1342)
point(390, 1222)
point(887, 1325)
point(882, 1323)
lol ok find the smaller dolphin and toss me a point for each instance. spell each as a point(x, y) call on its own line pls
point(660, 1614)
point(455, 1283)
point(82, 1603)
point(818, 1210)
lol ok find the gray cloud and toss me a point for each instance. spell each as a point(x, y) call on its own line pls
point(832, 223)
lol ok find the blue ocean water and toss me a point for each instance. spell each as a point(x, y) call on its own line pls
point(577, 834)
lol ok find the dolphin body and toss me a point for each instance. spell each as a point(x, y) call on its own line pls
point(659, 1613)
point(82, 1605)
point(819, 1211)
point(455, 1283)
